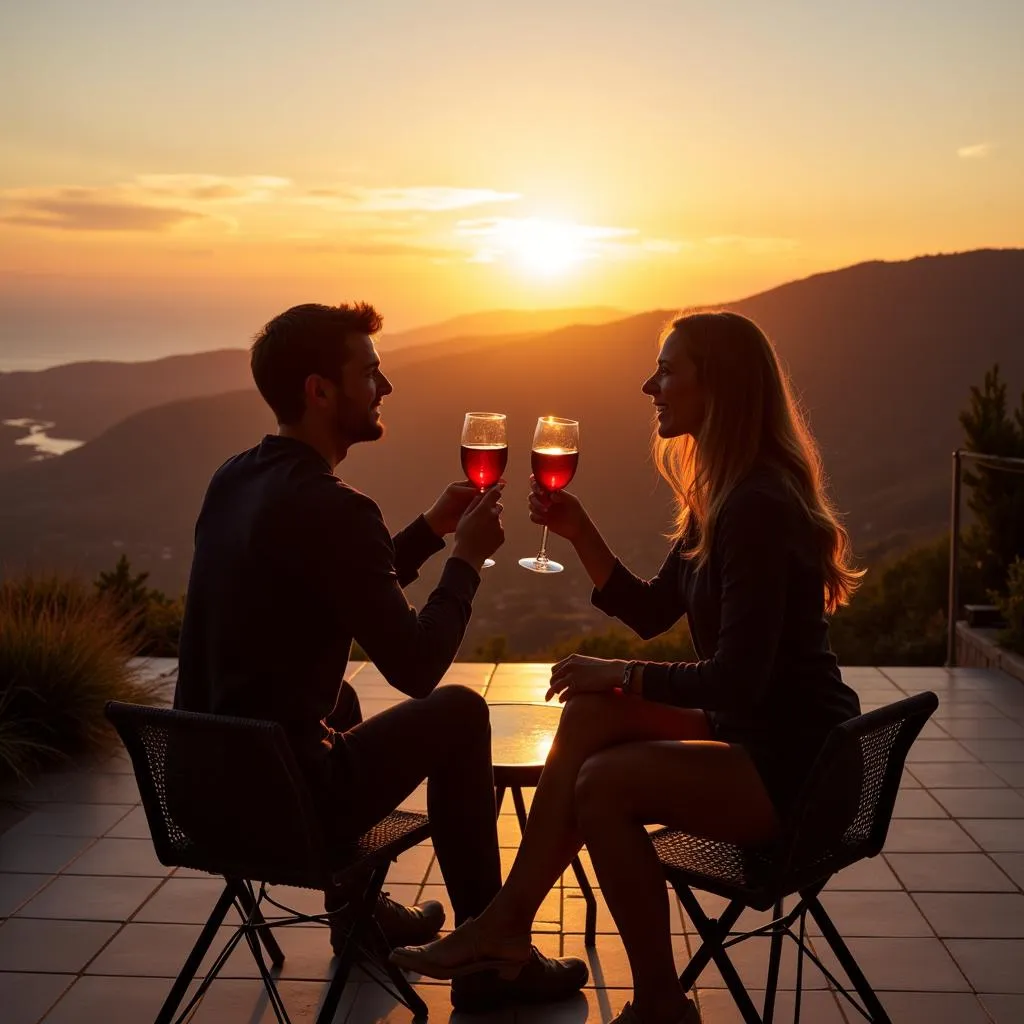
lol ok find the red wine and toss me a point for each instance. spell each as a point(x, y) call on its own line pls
point(553, 467)
point(483, 464)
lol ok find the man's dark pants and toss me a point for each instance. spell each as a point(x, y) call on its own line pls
point(446, 739)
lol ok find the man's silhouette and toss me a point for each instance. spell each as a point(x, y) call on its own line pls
point(291, 565)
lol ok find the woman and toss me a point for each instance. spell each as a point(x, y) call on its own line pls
point(716, 747)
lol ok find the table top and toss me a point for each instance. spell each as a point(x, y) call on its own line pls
point(521, 736)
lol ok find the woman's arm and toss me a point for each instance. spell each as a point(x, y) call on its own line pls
point(648, 607)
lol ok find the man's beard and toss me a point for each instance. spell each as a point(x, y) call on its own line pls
point(353, 426)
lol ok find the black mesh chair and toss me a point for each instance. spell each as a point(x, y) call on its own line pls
point(842, 816)
point(225, 796)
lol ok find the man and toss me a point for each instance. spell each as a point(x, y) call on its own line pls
point(290, 566)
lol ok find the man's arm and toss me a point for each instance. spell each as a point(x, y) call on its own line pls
point(424, 536)
point(412, 649)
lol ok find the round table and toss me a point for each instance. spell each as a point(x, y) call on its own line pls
point(521, 736)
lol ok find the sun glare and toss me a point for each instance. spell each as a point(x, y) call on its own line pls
point(544, 247)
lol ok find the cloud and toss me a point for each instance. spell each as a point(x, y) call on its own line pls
point(756, 244)
point(427, 198)
point(378, 248)
point(252, 188)
point(978, 151)
point(79, 209)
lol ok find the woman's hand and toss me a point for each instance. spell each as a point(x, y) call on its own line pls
point(559, 511)
point(579, 674)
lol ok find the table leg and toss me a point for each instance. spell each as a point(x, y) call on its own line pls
point(499, 799)
point(590, 926)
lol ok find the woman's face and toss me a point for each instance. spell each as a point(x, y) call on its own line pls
point(676, 390)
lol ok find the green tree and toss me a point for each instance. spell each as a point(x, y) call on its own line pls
point(996, 537)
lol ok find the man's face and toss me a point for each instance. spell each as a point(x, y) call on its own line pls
point(358, 395)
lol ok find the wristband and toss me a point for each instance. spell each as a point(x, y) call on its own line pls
point(627, 677)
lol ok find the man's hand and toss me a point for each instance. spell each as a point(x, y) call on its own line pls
point(444, 515)
point(579, 674)
point(480, 533)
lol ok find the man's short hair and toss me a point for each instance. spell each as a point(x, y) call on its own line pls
point(303, 340)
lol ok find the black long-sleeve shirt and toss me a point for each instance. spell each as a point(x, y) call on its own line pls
point(290, 565)
point(757, 619)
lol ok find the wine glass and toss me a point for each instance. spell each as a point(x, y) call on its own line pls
point(484, 451)
point(555, 455)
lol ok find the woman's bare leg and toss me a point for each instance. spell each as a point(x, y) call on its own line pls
point(590, 723)
point(709, 789)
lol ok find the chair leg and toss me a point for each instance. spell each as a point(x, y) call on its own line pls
point(360, 921)
point(195, 958)
point(846, 960)
point(714, 933)
point(774, 962)
point(251, 906)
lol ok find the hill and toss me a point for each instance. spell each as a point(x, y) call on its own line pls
point(882, 354)
point(503, 321)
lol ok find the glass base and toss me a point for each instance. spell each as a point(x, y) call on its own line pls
point(541, 565)
point(488, 563)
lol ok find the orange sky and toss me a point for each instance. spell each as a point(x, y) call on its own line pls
point(441, 158)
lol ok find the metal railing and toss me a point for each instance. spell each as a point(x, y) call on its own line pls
point(1001, 462)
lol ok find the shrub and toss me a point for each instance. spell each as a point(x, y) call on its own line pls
point(63, 654)
point(153, 618)
point(1012, 607)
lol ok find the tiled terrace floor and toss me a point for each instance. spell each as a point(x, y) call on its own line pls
point(94, 927)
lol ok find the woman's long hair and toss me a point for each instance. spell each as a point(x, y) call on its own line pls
point(750, 415)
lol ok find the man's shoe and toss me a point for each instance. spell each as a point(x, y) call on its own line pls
point(542, 980)
point(400, 925)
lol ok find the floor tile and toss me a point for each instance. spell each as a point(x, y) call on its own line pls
point(918, 803)
point(59, 946)
point(717, 1007)
point(184, 901)
point(957, 776)
point(928, 1008)
point(119, 857)
point(949, 872)
point(16, 888)
point(993, 751)
point(904, 965)
point(981, 803)
point(372, 1003)
point(927, 835)
point(90, 898)
point(872, 913)
point(984, 729)
point(37, 854)
point(990, 965)
point(132, 826)
point(974, 915)
point(92, 1000)
point(1004, 1009)
point(26, 997)
point(229, 1000)
point(972, 707)
point(1012, 864)
point(85, 788)
point(869, 873)
point(69, 820)
point(925, 751)
point(1003, 835)
point(1011, 772)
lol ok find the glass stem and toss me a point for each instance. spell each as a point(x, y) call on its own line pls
point(543, 556)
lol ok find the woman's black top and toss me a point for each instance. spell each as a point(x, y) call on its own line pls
point(766, 675)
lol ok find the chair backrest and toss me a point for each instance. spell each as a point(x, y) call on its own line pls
point(844, 811)
point(223, 794)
